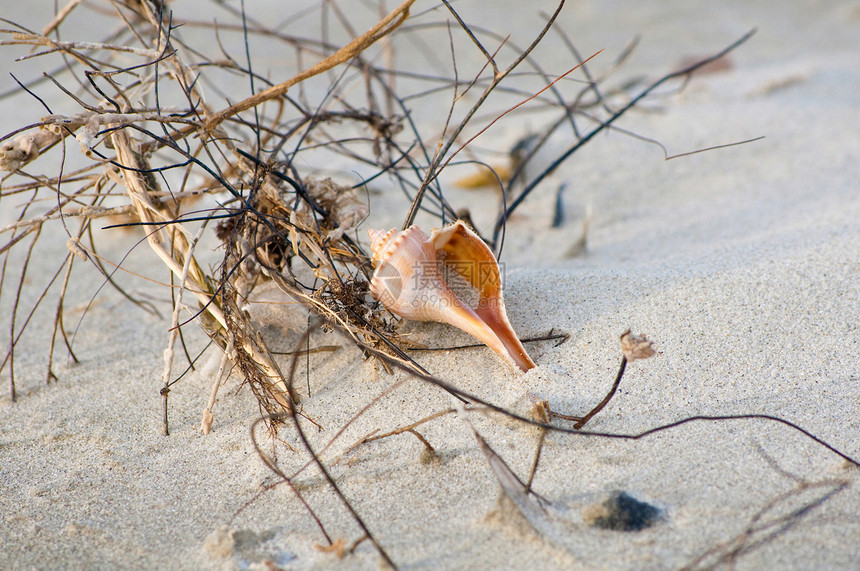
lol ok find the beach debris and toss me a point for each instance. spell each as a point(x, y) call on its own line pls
point(208, 416)
point(542, 413)
point(337, 547)
point(517, 505)
point(521, 154)
point(622, 512)
point(579, 247)
point(74, 245)
point(486, 175)
point(344, 205)
point(206, 422)
point(540, 410)
point(415, 275)
point(781, 513)
point(558, 213)
point(26, 148)
point(498, 174)
point(428, 453)
point(523, 148)
point(633, 347)
point(636, 346)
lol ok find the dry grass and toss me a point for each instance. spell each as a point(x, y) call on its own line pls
point(278, 225)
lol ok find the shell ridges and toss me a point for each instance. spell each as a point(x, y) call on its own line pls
point(408, 282)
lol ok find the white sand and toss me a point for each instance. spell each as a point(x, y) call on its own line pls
point(742, 264)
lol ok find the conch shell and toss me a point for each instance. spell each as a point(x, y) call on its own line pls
point(416, 274)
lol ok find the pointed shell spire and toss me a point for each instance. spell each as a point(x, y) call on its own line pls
point(408, 281)
point(470, 256)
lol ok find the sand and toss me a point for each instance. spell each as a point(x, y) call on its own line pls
point(741, 264)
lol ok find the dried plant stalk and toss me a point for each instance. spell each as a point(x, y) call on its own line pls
point(279, 226)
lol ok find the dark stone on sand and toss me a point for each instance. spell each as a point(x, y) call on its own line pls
point(623, 512)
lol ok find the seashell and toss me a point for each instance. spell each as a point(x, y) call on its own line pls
point(417, 275)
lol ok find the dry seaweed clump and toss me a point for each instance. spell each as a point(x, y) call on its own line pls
point(154, 141)
point(262, 165)
point(153, 144)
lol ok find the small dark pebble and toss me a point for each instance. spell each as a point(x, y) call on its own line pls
point(622, 512)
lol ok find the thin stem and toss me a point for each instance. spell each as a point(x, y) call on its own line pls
point(615, 116)
point(607, 398)
point(536, 460)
